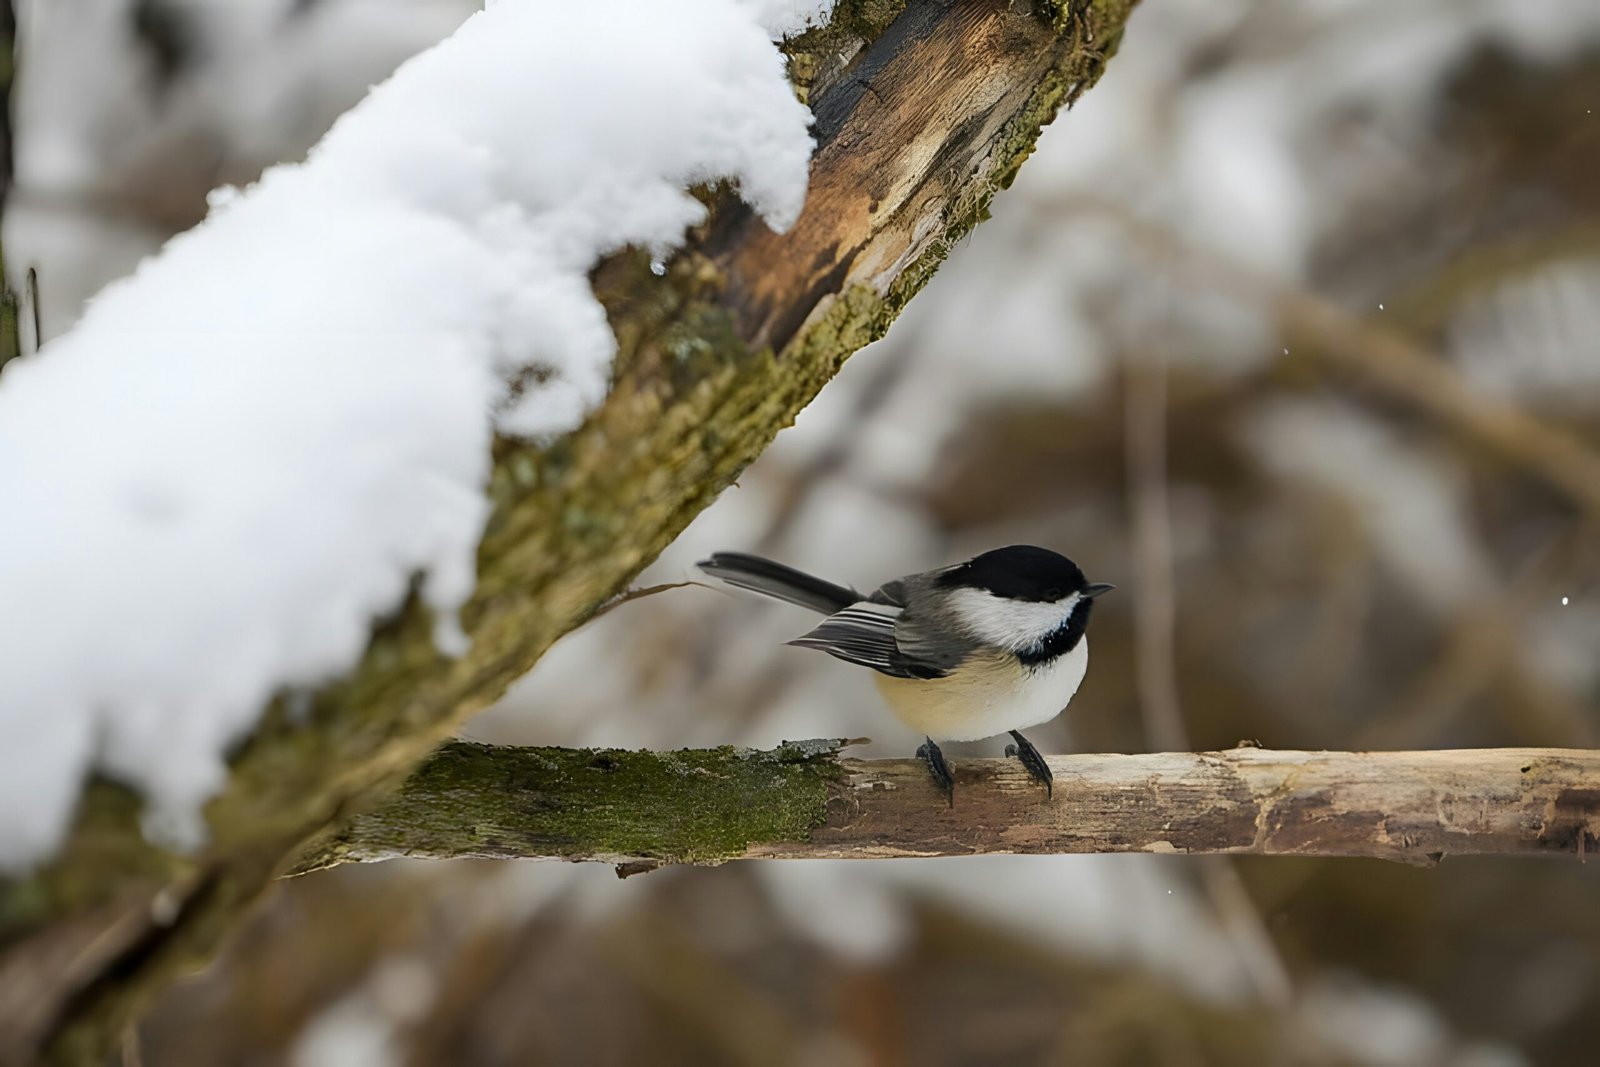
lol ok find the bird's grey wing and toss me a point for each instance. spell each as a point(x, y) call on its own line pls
point(929, 651)
point(895, 593)
point(861, 633)
point(871, 634)
point(902, 591)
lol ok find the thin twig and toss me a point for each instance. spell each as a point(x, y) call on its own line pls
point(33, 304)
point(132, 1049)
point(1155, 614)
point(1155, 598)
point(638, 594)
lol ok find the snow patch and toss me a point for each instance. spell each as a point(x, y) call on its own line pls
point(244, 452)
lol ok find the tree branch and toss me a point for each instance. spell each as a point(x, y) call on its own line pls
point(923, 112)
point(803, 800)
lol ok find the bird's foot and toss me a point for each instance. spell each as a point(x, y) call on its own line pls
point(1034, 762)
point(929, 753)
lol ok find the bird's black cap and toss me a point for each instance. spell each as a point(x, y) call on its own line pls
point(1018, 572)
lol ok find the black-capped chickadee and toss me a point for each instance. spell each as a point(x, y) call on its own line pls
point(992, 645)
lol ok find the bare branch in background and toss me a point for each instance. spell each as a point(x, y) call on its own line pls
point(1155, 601)
point(1156, 661)
point(803, 800)
point(1383, 360)
point(1481, 647)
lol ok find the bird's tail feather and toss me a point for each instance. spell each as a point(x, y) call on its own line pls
point(775, 580)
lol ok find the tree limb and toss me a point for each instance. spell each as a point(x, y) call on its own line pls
point(803, 800)
point(923, 113)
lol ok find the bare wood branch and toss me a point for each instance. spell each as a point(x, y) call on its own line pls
point(804, 800)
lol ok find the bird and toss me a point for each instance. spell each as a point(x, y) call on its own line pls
point(992, 645)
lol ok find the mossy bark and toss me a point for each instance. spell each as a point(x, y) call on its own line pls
point(642, 808)
point(923, 113)
point(803, 800)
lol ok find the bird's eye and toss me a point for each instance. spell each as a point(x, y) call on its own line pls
point(1052, 593)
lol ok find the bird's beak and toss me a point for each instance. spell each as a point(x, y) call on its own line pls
point(1094, 589)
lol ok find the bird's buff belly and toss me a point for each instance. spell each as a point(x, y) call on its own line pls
point(986, 698)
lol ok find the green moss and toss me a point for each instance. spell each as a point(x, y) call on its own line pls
point(701, 343)
point(853, 319)
point(852, 22)
point(817, 55)
point(690, 806)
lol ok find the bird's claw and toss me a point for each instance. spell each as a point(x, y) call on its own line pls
point(929, 753)
point(1033, 762)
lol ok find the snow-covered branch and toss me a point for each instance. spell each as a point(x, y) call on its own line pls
point(303, 399)
point(803, 800)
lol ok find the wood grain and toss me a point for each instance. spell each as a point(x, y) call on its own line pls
point(805, 801)
point(1410, 806)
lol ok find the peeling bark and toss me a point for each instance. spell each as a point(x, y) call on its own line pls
point(802, 800)
point(923, 114)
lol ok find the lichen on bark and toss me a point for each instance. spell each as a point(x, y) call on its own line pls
point(595, 803)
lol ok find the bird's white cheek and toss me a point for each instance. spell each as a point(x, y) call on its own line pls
point(1012, 624)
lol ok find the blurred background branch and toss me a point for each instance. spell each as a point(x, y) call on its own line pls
point(1378, 357)
point(1156, 666)
point(803, 800)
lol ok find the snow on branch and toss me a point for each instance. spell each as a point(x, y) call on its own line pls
point(802, 800)
point(243, 454)
point(922, 113)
